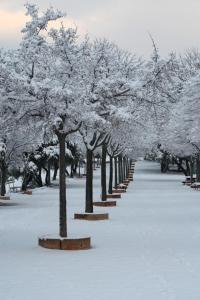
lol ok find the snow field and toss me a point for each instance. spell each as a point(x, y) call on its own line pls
point(149, 249)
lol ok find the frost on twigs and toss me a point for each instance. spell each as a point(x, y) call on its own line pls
point(39, 22)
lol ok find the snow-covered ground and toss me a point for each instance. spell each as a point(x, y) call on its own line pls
point(148, 250)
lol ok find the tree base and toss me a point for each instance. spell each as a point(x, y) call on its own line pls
point(119, 191)
point(27, 193)
point(113, 196)
point(121, 186)
point(130, 176)
point(105, 203)
point(65, 243)
point(4, 197)
point(91, 217)
point(126, 181)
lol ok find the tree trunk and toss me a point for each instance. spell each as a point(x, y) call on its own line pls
point(48, 174)
point(99, 162)
point(103, 173)
point(56, 167)
point(25, 179)
point(40, 184)
point(124, 168)
point(187, 167)
point(127, 167)
point(179, 163)
point(75, 167)
point(62, 186)
point(191, 170)
point(119, 170)
point(116, 179)
point(164, 163)
point(111, 176)
point(198, 168)
point(3, 178)
point(89, 183)
point(38, 177)
point(72, 170)
point(79, 169)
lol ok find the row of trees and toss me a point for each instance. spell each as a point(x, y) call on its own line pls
point(65, 99)
point(178, 135)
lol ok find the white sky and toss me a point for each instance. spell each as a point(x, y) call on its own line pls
point(174, 24)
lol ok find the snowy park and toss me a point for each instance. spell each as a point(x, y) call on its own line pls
point(149, 249)
point(99, 150)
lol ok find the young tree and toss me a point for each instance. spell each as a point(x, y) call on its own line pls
point(43, 98)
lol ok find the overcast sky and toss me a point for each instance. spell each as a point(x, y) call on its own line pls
point(174, 24)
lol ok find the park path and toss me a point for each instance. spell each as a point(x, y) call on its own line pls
point(149, 249)
point(166, 222)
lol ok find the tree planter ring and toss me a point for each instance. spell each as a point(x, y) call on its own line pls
point(4, 197)
point(27, 193)
point(91, 217)
point(119, 191)
point(105, 203)
point(126, 182)
point(65, 243)
point(121, 186)
point(113, 196)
